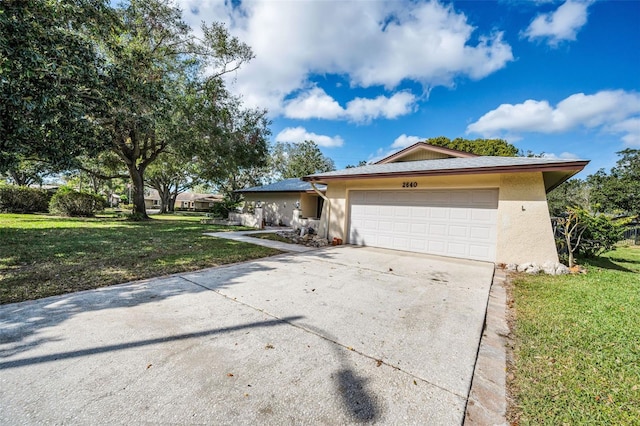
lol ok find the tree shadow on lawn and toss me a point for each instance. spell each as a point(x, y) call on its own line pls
point(609, 263)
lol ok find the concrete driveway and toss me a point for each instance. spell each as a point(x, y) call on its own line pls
point(333, 336)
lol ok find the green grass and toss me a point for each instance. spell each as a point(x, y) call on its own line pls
point(577, 344)
point(42, 255)
point(271, 236)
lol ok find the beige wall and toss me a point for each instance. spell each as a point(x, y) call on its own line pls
point(523, 235)
point(278, 207)
point(524, 226)
point(309, 205)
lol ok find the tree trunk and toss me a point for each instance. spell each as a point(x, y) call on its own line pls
point(172, 201)
point(137, 179)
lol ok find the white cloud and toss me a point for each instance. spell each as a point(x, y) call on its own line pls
point(561, 156)
point(363, 109)
point(631, 129)
point(316, 103)
point(398, 144)
point(369, 43)
point(560, 25)
point(404, 141)
point(300, 134)
point(612, 111)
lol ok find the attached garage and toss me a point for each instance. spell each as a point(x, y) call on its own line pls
point(445, 202)
point(457, 223)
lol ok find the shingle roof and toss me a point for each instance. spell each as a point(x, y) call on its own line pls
point(287, 185)
point(448, 166)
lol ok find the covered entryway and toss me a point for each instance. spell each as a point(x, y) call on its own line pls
point(457, 223)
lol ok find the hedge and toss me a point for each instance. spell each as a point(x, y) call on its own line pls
point(22, 199)
point(67, 202)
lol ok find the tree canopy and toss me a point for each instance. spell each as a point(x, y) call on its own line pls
point(51, 79)
point(491, 147)
point(80, 78)
point(615, 192)
point(289, 160)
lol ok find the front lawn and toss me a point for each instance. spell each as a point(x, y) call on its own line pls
point(42, 255)
point(577, 344)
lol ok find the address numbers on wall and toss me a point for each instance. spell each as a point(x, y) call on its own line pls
point(409, 184)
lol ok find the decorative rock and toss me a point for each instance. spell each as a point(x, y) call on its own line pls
point(533, 269)
point(549, 268)
point(561, 269)
point(523, 267)
point(511, 267)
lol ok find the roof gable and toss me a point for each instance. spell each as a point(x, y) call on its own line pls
point(423, 151)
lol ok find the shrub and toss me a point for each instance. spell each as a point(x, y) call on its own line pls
point(223, 208)
point(67, 202)
point(601, 235)
point(22, 199)
point(588, 234)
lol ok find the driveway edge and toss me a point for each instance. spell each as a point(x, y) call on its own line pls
point(487, 403)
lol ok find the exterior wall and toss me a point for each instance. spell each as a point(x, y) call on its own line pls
point(253, 220)
point(299, 222)
point(278, 206)
point(309, 205)
point(523, 236)
point(524, 226)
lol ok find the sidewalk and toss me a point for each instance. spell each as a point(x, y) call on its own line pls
point(245, 236)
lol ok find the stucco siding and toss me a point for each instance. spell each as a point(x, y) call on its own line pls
point(308, 205)
point(524, 226)
point(278, 207)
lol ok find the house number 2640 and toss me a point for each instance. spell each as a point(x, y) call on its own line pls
point(409, 184)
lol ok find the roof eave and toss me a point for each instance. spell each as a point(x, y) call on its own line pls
point(576, 166)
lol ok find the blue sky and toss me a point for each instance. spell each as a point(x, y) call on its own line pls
point(366, 78)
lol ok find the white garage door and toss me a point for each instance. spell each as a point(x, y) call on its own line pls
point(456, 223)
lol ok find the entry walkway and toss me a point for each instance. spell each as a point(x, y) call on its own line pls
point(246, 237)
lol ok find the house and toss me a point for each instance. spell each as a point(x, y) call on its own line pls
point(290, 202)
point(444, 202)
point(184, 200)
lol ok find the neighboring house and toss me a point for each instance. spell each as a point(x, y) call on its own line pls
point(290, 202)
point(440, 201)
point(113, 200)
point(184, 200)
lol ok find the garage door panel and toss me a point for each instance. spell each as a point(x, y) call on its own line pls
point(480, 232)
point(486, 215)
point(459, 249)
point(459, 223)
point(401, 227)
point(459, 214)
point(439, 213)
point(458, 231)
point(419, 228)
point(436, 247)
point(386, 211)
point(437, 229)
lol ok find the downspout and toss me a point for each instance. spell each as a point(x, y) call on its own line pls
point(328, 204)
